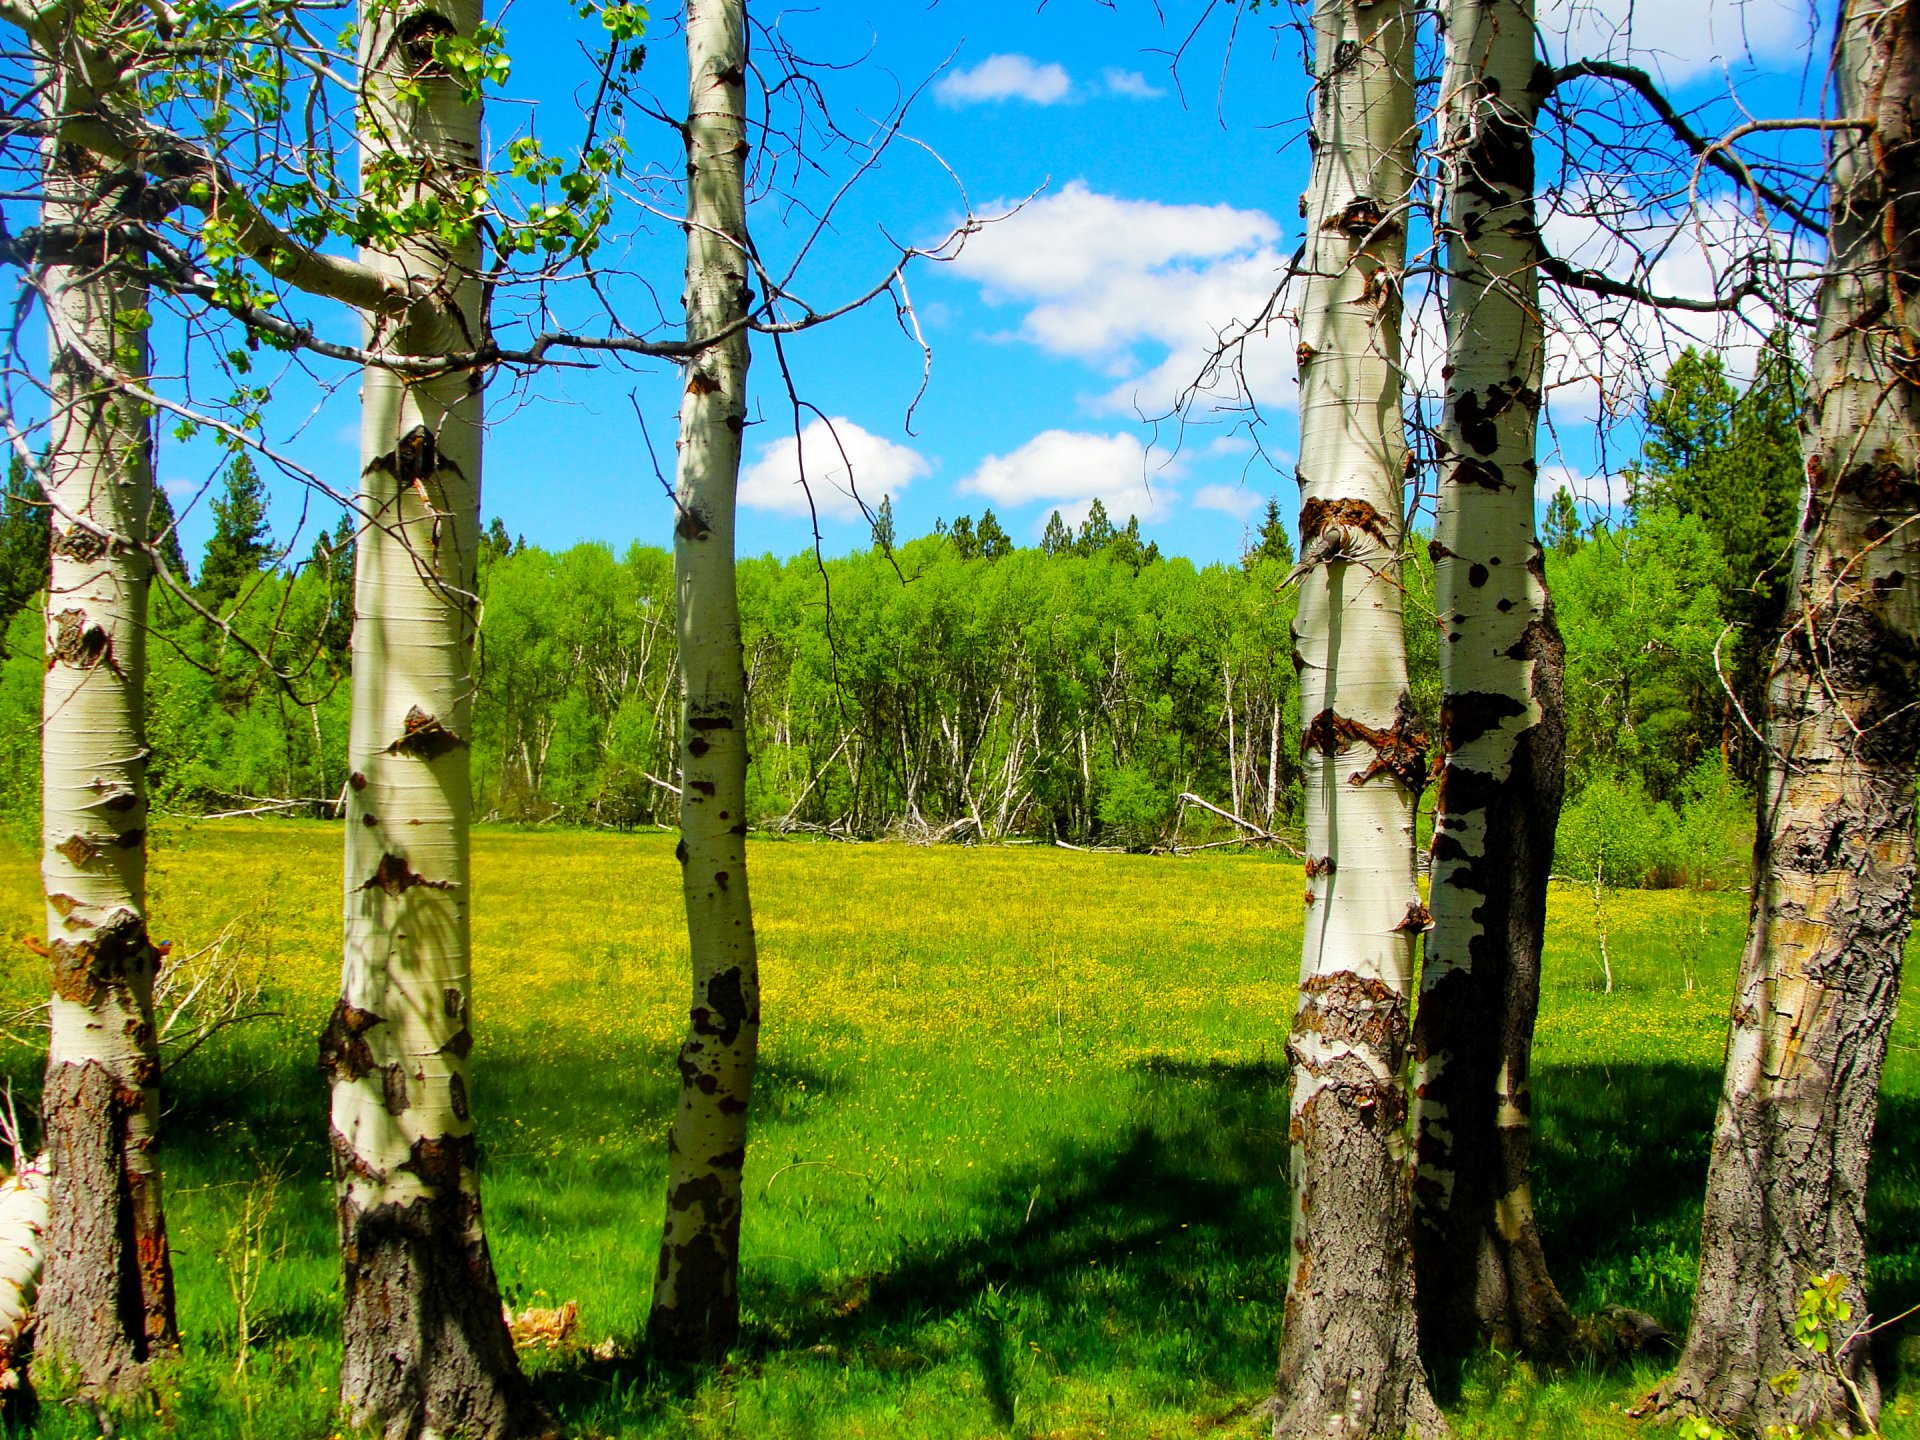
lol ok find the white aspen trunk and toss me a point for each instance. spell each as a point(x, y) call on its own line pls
point(1273, 767)
point(1482, 1272)
point(426, 1347)
point(1233, 743)
point(696, 1299)
point(106, 1298)
point(25, 1214)
point(1834, 855)
point(1349, 1354)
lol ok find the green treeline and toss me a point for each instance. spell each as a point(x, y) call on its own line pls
point(960, 686)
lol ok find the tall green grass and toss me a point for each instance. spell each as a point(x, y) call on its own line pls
point(1019, 1157)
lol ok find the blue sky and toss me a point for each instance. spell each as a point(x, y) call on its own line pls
point(1159, 207)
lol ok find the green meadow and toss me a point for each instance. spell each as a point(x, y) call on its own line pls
point(1019, 1158)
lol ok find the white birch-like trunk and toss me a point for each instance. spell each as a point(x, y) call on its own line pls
point(1481, 1269)
point(1834, 855)
point(1349, 1355)
point(106, 1298)
point(426, 1346)
point(695, 1316)
point(25, 1213)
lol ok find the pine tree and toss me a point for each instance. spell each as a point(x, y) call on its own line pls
point(1127, 546)
point(496, 544)
point(966, 544)
point(994, 541)
point(240, 545)
point(1096, 533)
point(1272, 542)
point(883, 533)
point(1058, 539)
point(1561, 529)
point(24, 531)
point(333, 556)
point(163, 531)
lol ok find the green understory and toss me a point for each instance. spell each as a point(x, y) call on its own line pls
point(1019, 1159)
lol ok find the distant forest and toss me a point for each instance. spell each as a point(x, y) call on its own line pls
point(959, 686)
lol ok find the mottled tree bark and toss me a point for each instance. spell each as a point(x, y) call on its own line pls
point(24, 1215)
point(1349, 1352)
point(1480, 1265)
point(106, 1299)
point(696, 1298)
point(426, 1346)
point(1834, 860)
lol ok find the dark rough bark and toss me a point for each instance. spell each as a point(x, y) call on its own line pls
point(424, 1338)
point(1481, 1268)
point(1350, 1351)
point(1834, 858)
point(106, 1295)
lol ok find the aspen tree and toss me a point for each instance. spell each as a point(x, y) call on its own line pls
point(1349, 1354)
point(696, 1299)
point(24, 1214)
point(426, 1345)
point(1480, 1266)
point(106, 1298)
point(1834, 857)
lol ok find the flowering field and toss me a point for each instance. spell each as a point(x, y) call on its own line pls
point(1019, 1158)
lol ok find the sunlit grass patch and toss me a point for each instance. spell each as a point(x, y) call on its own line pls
point(1019, 1156)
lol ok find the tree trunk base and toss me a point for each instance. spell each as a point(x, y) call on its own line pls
point(100, 1268)
point(427, 1348)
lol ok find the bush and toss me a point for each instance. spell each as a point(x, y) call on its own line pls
point(1612, 833)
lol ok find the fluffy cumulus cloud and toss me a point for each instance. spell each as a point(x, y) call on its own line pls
point(1068, 470)
point(1234, 500)
point(841, 460)
point(1130, 85)
point(1679, 39)
point(1005, 77)
point(1142, 291)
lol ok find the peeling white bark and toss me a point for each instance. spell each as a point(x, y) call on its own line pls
point(425, 1341)
point(696, 1300)
point(1482, 1272)
point(24, 1217)
point(107, 1300)
point(1349, 1357)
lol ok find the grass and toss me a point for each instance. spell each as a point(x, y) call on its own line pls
point(1019, 1155)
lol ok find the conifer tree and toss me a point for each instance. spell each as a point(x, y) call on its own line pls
point(1057, 539)
point(995, 544)
point(240, 546)
point(1272, 541)
point(1561, 529)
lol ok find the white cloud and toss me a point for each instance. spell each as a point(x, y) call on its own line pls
point(1678, 39)
point(840, 457)
point(1131, 84)
point(1070, 469)
point(1234, 500)
point(1142, 290)
point(1005, 77)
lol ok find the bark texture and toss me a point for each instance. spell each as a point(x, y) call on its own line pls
point(106, 1298)
point(1480, 1265)
point(24, 1213)
point(1349, 1353)
point(1834, 862)
point(426, 1347)
point(696, 1299)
